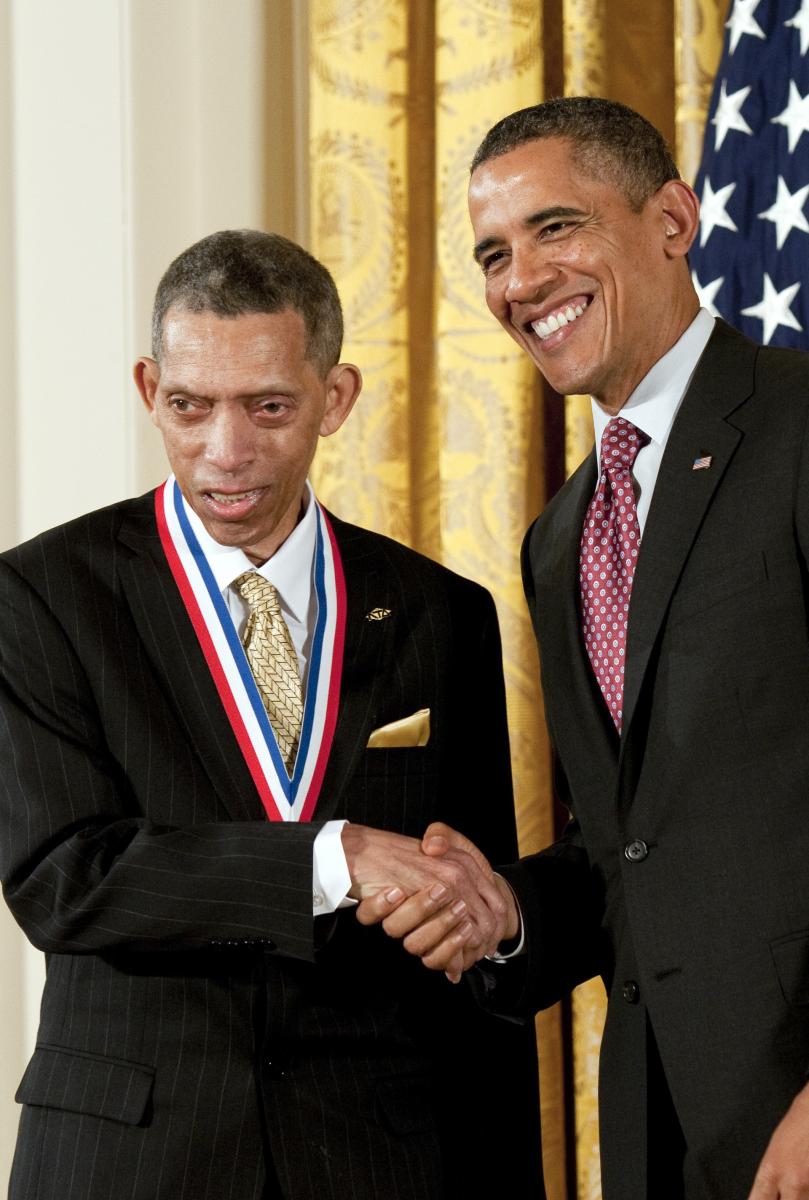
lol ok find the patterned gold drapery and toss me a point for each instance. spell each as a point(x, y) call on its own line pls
point(445, 449)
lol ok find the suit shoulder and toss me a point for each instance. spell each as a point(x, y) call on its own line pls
point(83, 538)
point(783, 369)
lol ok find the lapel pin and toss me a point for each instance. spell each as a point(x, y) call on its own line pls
point(377, 614)
point(702, 464)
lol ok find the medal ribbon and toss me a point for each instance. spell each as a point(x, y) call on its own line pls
point(284, 798)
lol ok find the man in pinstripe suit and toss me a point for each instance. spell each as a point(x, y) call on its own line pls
point(212, 1024)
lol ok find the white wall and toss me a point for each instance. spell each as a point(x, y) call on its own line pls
point(128, 129)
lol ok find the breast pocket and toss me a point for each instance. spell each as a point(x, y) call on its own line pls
point(698, 595)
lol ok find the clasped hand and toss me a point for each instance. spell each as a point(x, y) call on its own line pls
point(439, 895)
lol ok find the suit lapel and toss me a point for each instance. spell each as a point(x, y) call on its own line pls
point(370, 589)
point(722, 381)
point(570, 686)
point(172, 648)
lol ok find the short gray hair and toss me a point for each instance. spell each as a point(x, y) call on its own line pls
point(238, 271)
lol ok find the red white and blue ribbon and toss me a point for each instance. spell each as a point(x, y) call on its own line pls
point(284, 798)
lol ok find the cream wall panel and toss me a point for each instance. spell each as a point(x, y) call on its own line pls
point(8, 393)
point(70, 210)
point(194, 84)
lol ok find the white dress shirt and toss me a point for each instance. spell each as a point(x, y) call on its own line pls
point(290, 571)
point(654, 404)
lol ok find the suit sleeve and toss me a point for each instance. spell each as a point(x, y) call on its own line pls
point(561, 901)
point(481, 1056)
point(83, 870)
point(478, 797)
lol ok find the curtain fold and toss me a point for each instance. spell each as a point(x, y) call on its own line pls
point(446, 448)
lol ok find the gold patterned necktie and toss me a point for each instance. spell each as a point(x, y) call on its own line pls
point(273, 661)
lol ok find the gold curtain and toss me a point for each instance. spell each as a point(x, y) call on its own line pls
point(446, 449)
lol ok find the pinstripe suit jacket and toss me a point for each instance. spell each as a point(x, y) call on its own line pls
point(202, 1035)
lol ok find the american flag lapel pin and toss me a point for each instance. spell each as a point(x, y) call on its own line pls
point(702, 463)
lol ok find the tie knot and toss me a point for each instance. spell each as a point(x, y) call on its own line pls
point(259, 593)
point(620, 444)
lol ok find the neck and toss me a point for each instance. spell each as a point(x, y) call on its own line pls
point(682, 316)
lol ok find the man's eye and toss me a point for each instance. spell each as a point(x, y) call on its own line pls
point(180, 404)
point(554, 228)
point(272, 407)
point(490, 260)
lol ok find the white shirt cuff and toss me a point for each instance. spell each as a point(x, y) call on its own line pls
point(331, 881)
point(520, 947)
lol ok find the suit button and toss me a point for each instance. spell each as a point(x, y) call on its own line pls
point(274, 1070)
point(630, 992)
point(636, 851)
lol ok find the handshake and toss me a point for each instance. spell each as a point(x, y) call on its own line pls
point(440, 895)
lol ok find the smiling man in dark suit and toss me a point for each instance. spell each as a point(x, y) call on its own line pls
point(198, 688)
point(678, 716)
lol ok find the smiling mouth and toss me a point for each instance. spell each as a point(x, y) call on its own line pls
point(566, 314)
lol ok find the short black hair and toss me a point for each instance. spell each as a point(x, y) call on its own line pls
point(238, 271)
point(609, 141)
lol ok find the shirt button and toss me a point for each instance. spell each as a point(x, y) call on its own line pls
point(636, 850)
point(630, 992)
point(317, 899)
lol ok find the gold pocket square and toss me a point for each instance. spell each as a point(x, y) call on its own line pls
point(408, 731)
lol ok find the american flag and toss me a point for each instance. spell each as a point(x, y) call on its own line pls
point(750, 261)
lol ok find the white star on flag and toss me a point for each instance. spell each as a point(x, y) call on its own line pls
point(728, 113)
point(773, 308)
point(754, 228)
point(712, 212)
point(795, 116)
point(801, 22)
point(741, 21)
point(707, 292)
point(787, 212)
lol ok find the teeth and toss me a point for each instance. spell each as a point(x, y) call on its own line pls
point(231, 497)
point(557, 320)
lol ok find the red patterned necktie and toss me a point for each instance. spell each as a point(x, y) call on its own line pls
point(609, 551)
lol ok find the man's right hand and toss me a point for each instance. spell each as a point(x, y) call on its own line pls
point(451, 883)
point(431, 922)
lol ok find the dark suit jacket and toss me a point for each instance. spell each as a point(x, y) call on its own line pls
point(684, 877)
point(200, 1029)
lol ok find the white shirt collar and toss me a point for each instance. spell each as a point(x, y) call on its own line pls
point(289, 569)
point(653, 405)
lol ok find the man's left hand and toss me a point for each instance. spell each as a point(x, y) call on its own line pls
point(784, 1170)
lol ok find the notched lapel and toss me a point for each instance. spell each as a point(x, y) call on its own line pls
point(369, 641)
point(172, 648)
point(723, 380)
point(568, 678)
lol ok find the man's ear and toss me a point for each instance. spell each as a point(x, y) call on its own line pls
point(679, 212)
point(146, 373)
point(343, 385)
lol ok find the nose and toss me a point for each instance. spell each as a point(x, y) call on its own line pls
point(530, 271)
point(231, 439)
